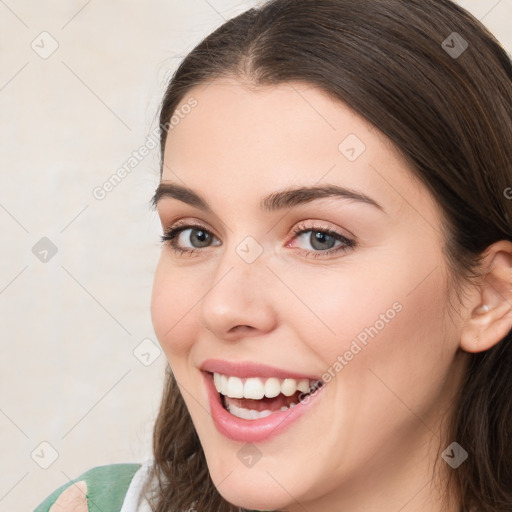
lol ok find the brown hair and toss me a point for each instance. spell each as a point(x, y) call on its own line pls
point(450, 116)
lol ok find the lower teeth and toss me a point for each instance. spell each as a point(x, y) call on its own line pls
point(251, 414)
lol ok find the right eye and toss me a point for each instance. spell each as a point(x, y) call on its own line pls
point(194, 234)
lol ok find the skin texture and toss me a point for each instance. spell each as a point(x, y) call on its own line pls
point(370, 442)
point(73, 499)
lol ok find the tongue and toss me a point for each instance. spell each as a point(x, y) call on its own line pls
point(268, 404)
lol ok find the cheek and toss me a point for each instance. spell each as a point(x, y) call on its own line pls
point(397, 349)
point(172, 309)
point(388, 313)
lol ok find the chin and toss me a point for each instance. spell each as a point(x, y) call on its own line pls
point(261, 487)
point(254, 492)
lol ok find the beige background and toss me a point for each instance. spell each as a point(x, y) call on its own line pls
point(79, 370)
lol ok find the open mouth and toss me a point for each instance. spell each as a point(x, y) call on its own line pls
point(253, 398)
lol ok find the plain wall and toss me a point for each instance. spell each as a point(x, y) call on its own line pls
point(80, 371)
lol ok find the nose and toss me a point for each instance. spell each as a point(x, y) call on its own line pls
point(238, 301)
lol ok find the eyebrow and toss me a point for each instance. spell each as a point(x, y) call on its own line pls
point(286, 198)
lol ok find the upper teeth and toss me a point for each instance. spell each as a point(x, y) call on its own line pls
point(256, 388)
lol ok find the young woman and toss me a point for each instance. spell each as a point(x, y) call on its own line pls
point(334, 293)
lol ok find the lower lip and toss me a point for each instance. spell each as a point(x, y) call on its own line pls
point(252, 431)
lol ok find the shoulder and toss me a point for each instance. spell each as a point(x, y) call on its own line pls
point(99, 488)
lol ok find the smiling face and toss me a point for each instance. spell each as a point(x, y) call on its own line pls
point(346, 283)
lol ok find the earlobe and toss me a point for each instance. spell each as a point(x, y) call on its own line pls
point(486, 328)
point(491, 319)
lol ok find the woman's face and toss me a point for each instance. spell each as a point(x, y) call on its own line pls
point(290, 282)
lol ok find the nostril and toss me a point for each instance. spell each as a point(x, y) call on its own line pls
point(241, 328)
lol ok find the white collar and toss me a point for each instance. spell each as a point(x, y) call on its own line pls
point(134, 501)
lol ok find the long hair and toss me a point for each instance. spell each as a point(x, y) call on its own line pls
point(431, 78)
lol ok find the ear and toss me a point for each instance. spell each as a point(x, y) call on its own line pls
point(490, 319)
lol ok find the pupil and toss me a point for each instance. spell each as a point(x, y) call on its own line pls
point(201, 236)
point(321, 238)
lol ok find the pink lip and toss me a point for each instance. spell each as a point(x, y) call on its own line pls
point(243, 369)
point(253, 431)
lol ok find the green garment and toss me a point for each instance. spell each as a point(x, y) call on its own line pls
point(106, 487)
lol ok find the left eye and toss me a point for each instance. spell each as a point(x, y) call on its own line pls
point(322, 239)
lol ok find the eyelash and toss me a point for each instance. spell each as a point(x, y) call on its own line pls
point(170, 235)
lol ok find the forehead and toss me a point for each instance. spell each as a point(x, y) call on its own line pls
point(241, 139)
point(233, 111)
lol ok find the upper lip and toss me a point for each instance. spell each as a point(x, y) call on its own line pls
point(245, 369)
